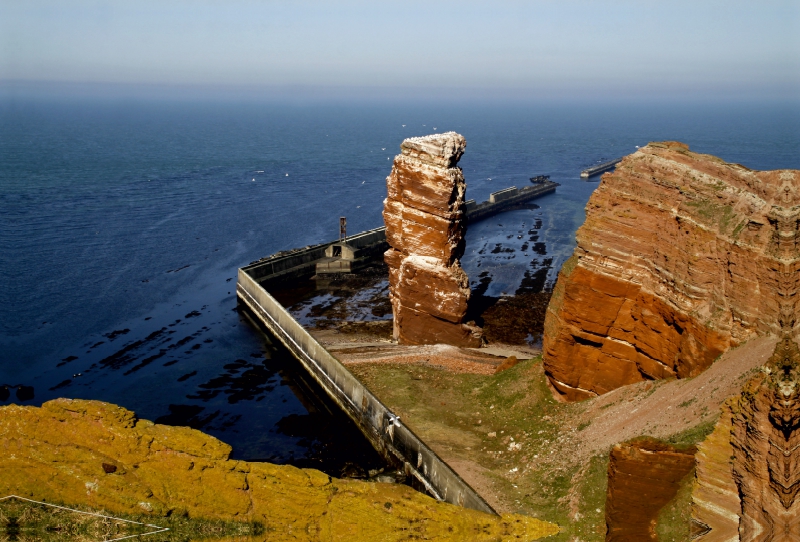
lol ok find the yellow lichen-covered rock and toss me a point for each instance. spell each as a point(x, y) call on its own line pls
point(95, 454)
point(716, 507)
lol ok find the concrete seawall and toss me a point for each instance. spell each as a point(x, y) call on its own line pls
point(600, 168)
point(301, 262)
point(504, 199)
point(398, 444)
point(395, 442)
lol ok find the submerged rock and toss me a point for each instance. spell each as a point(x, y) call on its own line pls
point(424, 216)
point(94, 454)
point(682, 256)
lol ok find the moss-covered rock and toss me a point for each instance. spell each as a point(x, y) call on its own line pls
point(62, 452)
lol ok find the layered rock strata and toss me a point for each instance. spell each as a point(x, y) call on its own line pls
point(424, 216)
point(716, 506)
point(643, 476)
point(766, 450)
point(748, 470)
point(92, 454)
point(682, 256)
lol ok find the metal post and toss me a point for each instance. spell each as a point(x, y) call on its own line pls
point(342, 228)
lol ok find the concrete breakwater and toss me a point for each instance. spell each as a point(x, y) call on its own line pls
point(505, 199)
point(301, 262)
point(385, 431)
point(600, 168)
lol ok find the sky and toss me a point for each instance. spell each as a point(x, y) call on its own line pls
point(543, 49)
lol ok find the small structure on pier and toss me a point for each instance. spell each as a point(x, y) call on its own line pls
point(339, 258)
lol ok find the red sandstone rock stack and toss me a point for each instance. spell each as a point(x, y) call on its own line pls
point(425, 227)
point(682, 256)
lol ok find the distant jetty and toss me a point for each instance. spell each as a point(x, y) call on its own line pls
point(602, 168)
point(506, 199)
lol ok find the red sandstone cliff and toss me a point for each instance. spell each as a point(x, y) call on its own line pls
point(748, 470)
point(425, 227)
point(766, 450)
point(682, 256)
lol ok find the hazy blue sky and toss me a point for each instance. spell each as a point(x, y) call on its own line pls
point(537, 48)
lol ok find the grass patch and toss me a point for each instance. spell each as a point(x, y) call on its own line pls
point(674, 520)
point(592, 490)
point(445, 409)
point(713, 213)
point(738, 229)
point(22, 520)
point(692, 436)
point(687, 402)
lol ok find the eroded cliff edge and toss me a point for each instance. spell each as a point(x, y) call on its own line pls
point(682, 256)
point(748, 471)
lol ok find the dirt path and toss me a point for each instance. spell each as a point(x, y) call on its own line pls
point(356, 348)
point(665, 408)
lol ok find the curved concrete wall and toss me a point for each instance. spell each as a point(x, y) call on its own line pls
point(398, 444)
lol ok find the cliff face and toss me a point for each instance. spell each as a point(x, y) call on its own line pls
point(425, 226)
point(643, 476)
point(716, 506)
point(748, 470)
point(97, 455)
point(681, 257)
point(766, 450)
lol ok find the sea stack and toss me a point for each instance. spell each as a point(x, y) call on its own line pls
point(681, 257)
point(424, 216)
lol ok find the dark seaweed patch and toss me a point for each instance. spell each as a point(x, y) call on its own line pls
point(243, 381)
point(147, 361)
point(25, 393)
point(123, 356)
point(499, 248)
point(116, 333)
point(186, 416)
point(62, 384)
point(187, 376)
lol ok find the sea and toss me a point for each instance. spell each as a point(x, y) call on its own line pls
point(123, 223)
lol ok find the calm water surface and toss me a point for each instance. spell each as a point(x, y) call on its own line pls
point(123, 224)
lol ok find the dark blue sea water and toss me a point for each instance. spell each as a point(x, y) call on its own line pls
point(123, 223)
